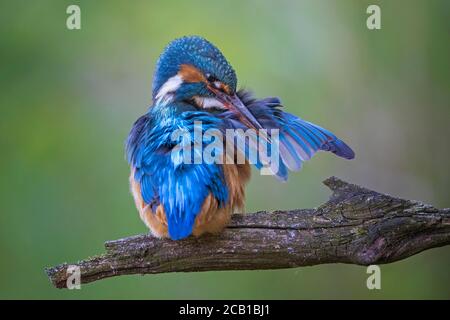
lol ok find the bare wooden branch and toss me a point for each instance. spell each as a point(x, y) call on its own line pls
point(356, 226)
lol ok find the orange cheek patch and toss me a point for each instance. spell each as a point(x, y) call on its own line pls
point(190, 73)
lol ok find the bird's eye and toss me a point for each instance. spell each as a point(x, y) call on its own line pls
point(217, 83)
point(210, 77)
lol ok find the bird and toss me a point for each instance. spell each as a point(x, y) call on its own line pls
point(194, 83)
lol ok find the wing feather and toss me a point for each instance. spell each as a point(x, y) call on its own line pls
point(299, 139)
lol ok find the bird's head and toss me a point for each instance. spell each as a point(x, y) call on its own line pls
point(193, 70)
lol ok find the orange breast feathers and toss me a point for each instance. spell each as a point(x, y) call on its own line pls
point(211, 218)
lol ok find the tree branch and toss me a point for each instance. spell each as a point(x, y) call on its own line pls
point(356, 225)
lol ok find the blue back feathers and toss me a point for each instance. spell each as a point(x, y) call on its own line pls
point(180, 188)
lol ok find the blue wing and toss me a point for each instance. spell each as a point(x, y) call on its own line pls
point(164, 178)
point(299, 140)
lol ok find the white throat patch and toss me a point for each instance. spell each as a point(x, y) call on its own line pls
point(165, 93)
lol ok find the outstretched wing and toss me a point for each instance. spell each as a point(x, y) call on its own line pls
point(299, 140)
point(165, 179)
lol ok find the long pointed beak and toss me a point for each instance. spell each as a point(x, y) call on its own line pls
point(233, 103)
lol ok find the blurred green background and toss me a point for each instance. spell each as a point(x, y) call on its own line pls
point(69, 98)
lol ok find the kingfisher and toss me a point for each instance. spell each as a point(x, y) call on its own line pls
point(194, 83)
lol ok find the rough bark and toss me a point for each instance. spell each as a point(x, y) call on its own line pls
point(356, 226)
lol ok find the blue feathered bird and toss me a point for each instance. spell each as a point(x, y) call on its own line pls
point(193, 83)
